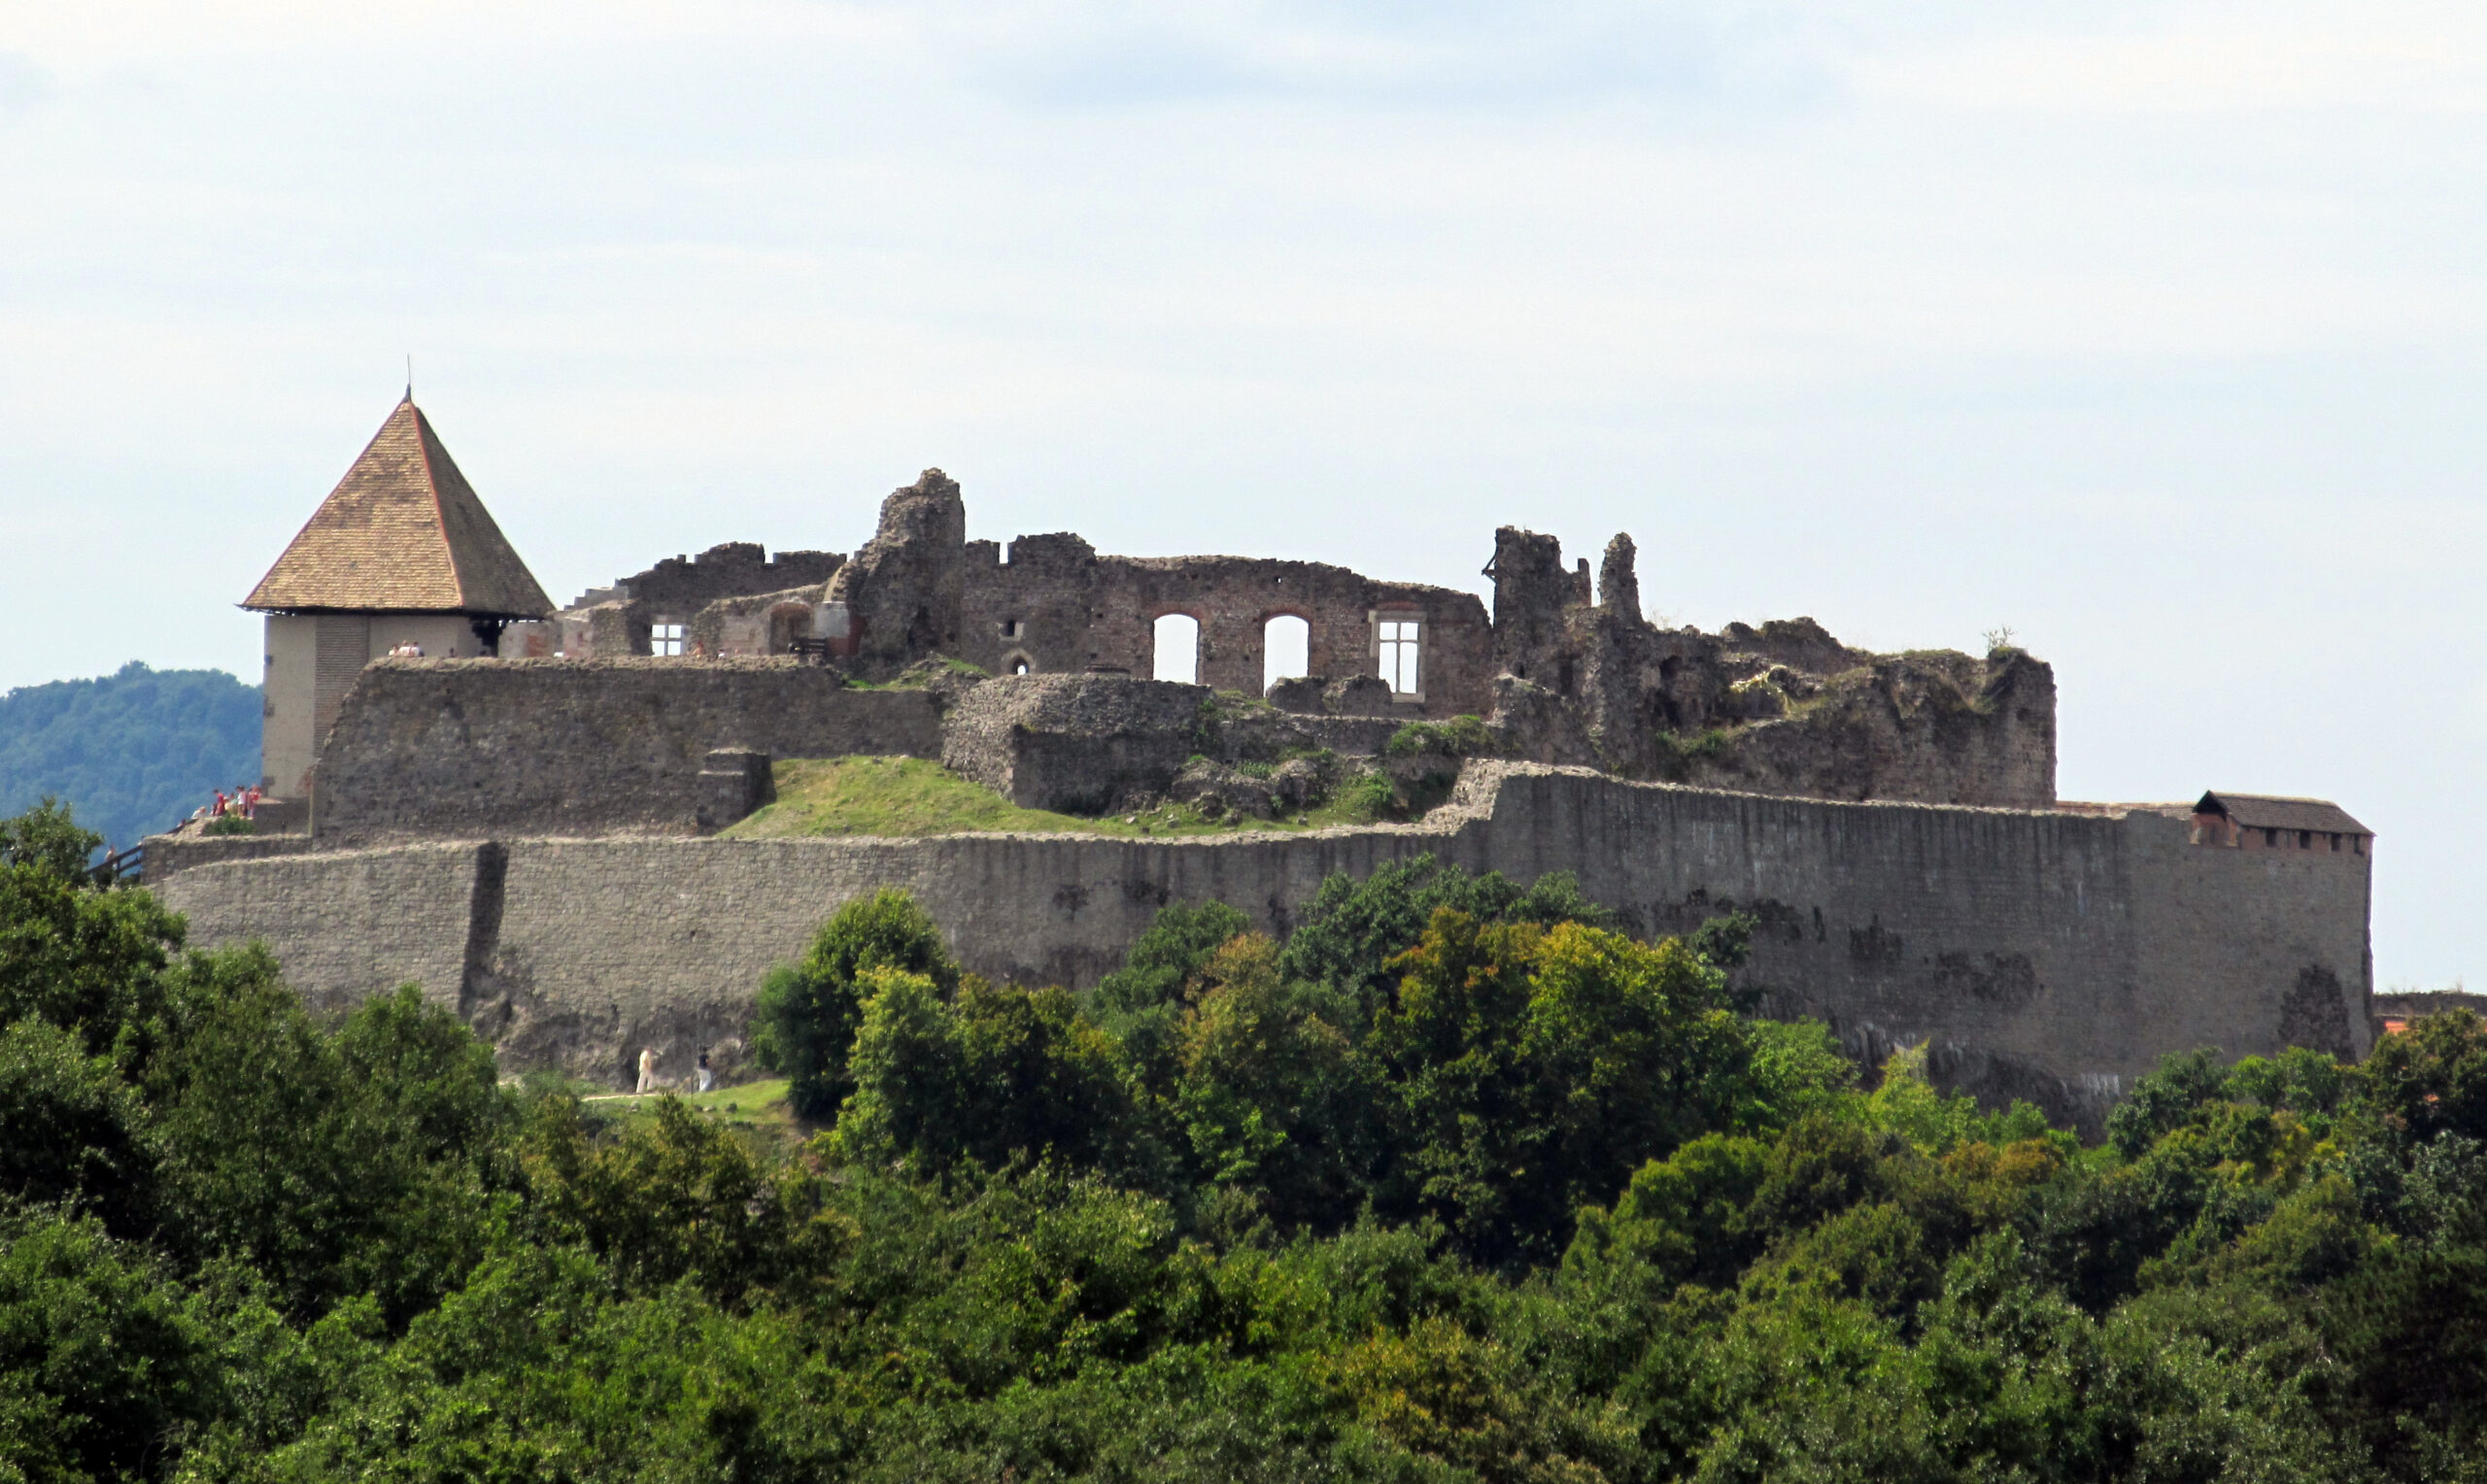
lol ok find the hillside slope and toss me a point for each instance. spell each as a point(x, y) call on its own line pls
point(130, 753)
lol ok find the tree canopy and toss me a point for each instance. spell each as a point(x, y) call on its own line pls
point(1466, 1186)
point(133, 752)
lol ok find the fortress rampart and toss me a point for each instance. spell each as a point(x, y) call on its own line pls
point(2047, 955)
point(433, 749)
point(517, 822)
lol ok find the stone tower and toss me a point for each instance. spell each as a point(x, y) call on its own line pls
point(400, 553)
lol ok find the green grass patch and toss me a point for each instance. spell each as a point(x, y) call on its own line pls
point(905, 797)
point(760, 1106)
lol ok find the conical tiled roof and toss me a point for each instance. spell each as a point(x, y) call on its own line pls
point(402, 532)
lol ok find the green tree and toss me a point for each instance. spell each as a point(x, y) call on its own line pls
point(72, 1132)
point(809, 1012)
point(1352, 930)
point(103, 1366)
point(78, 955)
point(1272, 1098)
point(996, 1074)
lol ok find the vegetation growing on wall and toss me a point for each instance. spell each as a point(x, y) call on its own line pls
point(1452, 1182)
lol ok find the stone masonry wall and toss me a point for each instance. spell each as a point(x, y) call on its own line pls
point(608, 622)
point(1062, 607)
point(348, 925)
point(2043, 954)
point(477, 748)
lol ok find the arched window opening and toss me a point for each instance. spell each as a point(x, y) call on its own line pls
point(1179, 648)
point(1286, 650)
point(1018, 664)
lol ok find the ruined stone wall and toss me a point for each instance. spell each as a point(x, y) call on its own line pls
point(1782, 709)
point(2047, 955)
point(1053, 606)
point(476, 748)
point(606, 623)
point(902, 595)
point(1061, 607)
point(1082, 744)
point(756, 624)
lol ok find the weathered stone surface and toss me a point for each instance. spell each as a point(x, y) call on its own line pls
point(757, 622)
point(1785, 708)
point(733, 783)
point(1356, 695)
point(444, 747)
point(1619, 587)
point(2056, 954)
point(1301, 694)
point(1219, 790)
point(905, 590)
point(1082, 744)
point(615, 622)
point(1058, 606)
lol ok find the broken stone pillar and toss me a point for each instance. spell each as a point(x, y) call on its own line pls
point(1619, 589)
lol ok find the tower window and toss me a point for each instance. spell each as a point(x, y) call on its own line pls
point(667, 638)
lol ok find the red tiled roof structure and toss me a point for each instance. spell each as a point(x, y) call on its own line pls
point(402, 532)
point(2262, 811)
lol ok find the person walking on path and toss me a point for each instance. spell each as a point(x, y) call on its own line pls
point(707, 1076)
point(647, 1070)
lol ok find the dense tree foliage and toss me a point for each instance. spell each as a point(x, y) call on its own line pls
point(1454, 1183)
point(132, 751)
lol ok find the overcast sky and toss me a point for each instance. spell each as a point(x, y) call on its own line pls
point(2154, 332)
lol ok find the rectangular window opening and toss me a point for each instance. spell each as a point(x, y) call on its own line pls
point(1398, 643)
point(667, 638)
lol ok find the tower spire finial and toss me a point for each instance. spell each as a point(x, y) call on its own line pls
point(410, 376)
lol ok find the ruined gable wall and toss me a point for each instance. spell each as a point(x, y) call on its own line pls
point(1077, 610)
point(473, 748)
point(2045, 953)
point(612, 621)
point(755, 623)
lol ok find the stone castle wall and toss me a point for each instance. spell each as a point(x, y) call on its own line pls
point(1062, 607)
point(2047, 955)
point(475, 749)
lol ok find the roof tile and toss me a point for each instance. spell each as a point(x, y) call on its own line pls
point(402, 532)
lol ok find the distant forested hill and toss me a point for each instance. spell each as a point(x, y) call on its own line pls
point(132, 751)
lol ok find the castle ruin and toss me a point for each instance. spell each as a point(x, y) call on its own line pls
point(521, 817)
